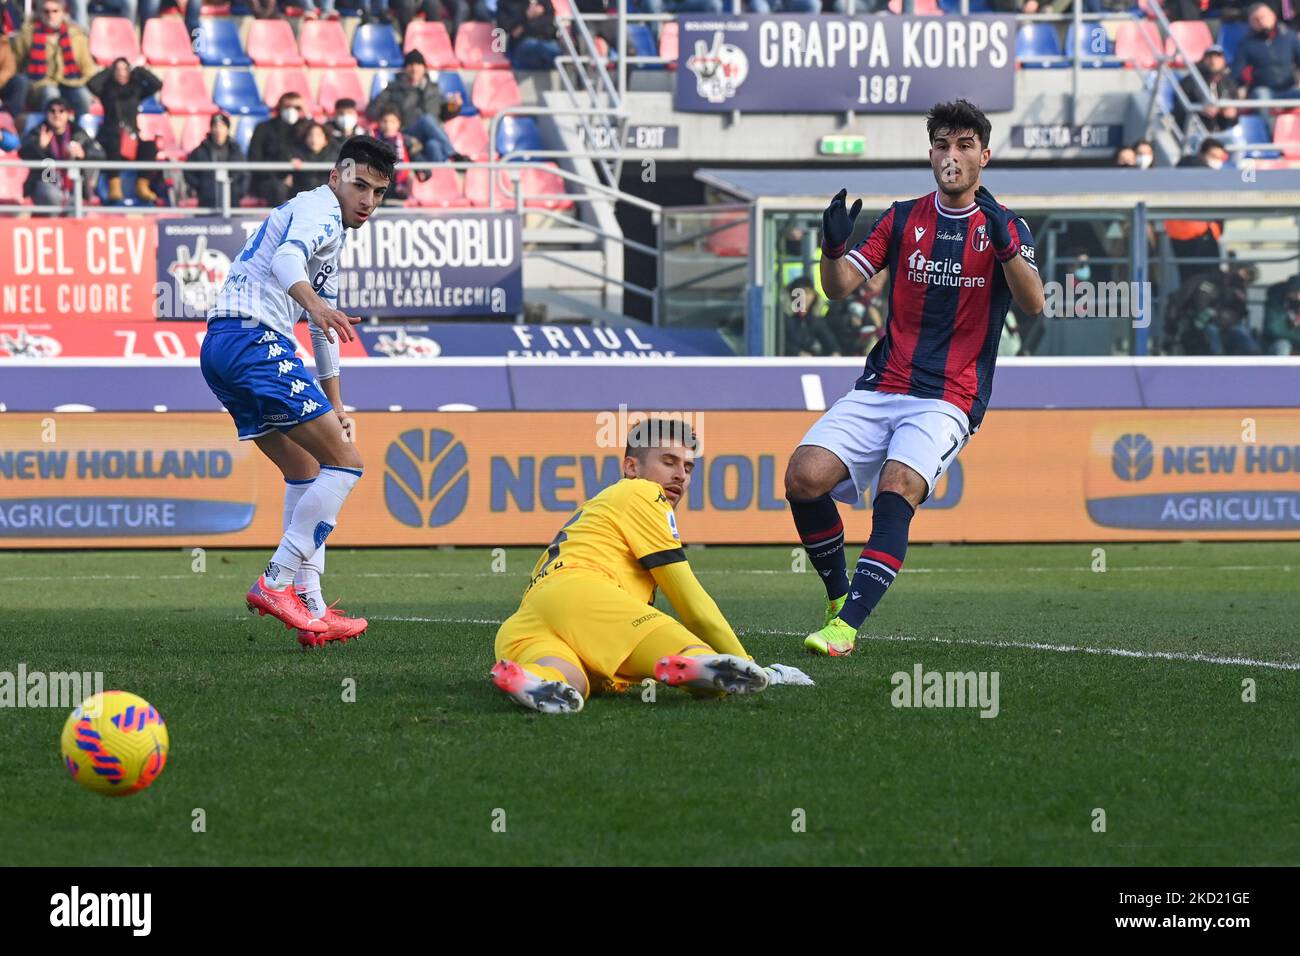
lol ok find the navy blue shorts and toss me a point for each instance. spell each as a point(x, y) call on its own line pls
point(259, 378)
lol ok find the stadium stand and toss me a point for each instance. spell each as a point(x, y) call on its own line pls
point(494, 91)
point(112, 37)
point(166, 43)
point(474, 48)
point(341, 84)
point(470, 137)
point(324, 45)
point(235, 92)
point(375, 45)
point(219, 43)
point(185, 91)
point(271, 43)
point(451, 82)
point(434, 42)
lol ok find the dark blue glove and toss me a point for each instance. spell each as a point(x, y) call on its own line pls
point(998, 221)
point(837, 225)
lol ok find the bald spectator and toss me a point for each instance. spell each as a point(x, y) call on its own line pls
point(54, 56)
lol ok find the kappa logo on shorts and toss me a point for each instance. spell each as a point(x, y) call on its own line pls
point(275, 351)
point(286, 366)
point(297, 386)
point(267, 336)
point(310, 406)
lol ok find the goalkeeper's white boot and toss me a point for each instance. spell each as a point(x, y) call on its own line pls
point(546, 696)
point(714, 672)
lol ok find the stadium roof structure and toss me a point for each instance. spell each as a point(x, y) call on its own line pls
point(1020, 189)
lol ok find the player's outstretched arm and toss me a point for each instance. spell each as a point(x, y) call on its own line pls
point(839, 277)
point(698, 612)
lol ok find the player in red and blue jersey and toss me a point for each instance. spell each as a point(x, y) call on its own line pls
point(955, 261)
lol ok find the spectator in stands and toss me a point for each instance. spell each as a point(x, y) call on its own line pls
point(807, 331)
point(1267, 57)
point(11, 17)
point(217, 147)
point(344, 122)
point(1125, 156)
point(263, 10)
point(121, 89)
point(1197, 238)
point(783, 6)
point(1282, 318)
point(530, 26)
point(450, 12)
point(415, 97)
point(315, 147)
point(408, 149)
point(372, 11)
point(1145, 153)
point(318, 9)
point(13, 85)
point(59, 139)
point(1217, 74)
point(54, 55)
point(1212, 155)
point(683, 6)
point(274, 141)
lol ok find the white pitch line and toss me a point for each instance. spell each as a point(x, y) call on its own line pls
point(1016, 645)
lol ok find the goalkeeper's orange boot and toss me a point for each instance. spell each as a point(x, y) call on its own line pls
point(713, 672)
point(547, 696)
point(341, 628)
point(282, 605)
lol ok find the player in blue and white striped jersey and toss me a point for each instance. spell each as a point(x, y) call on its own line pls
point(289, 268)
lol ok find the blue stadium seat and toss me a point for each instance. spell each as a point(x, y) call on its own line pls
point(639, 36)
point(449, 81)
point(1230, 35)
point(33, 120)
point(1037, 39)
point(517, 133)
point(90, 123)
point(152, 105)
point(235, 92)
point(128, 190)
point(244, 127)
point(1250, 129)
point(384, 77)
point(219, 43)
point(954, 6)
point(1095, 47)
point(375, 44)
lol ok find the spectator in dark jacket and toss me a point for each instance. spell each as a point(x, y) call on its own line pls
point(121, 89)
point(274, 141)
point(314, 148)
point(450, 12)
point(59, 139)
point(13, 84)
point(217, 147)
point(807, 329)
point(417, 100)
point(1218, 77)
point(530, 26)
point(344, 121)
point(1267, 57)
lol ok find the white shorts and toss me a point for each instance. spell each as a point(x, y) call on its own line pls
point(864, 429)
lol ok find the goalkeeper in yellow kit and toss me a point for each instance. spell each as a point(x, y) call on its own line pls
point(587, 620)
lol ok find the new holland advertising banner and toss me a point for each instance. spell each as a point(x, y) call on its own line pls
point(512, 478)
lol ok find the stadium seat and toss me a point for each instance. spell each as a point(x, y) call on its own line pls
point(1286, 133)
point(476, 189)
point(289, 79)
point(111, 37)
point(193, 132)
point(31, 121)
point(643, 43)
point(185, 91)
point(375, 45)
point(431, 39)
point(669, 39)
point(235, 92)
point(324, 44)
point(7, 122)
point(1138, 44)
point(168, 43)
point(379, 81)
point(542, 181)
point(442, 190)
point(341, 85)
point(469, 135)
point(1230, 35)
point(474, 49)
point(1094, 47)
point(517, 133)
point(1195, 38)
point(562, 9)
point(90, 123)
point(952, 7)
point(12, 179)
point(1250, 129)
point(495, 90)
point(449, 81)
point(219, 44)
point(243, 132)
point(271, 43)
point(150, 104)
point(922, 8)
point(731, 242)
point(159, 129)
point(1036, 40)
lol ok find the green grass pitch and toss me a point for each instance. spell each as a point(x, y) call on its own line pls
point(416, 770)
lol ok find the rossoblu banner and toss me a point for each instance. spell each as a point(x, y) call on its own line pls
point(833, 64)
point(512, 478)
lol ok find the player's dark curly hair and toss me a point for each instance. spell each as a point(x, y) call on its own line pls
point(364, 150)
point(658, 433)
point(957, 116)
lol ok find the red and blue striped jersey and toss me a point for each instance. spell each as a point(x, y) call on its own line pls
point(948, 298)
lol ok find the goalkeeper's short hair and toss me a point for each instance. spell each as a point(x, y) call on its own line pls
point(650, 433)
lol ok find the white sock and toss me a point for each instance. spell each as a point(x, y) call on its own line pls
point(313, 519)
point(307, 581)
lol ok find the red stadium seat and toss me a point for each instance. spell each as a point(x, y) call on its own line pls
point(271, 43)
point(920, 8)
point(469, 135)
point(562, 9)
point(494, 91)
point(193, 132)
point(12, 179)
point(668, 43)
point(474, 48)
point(158, 127)
point(167, 43)
point(289, 79)
point(7, 122)
point(341, 85)
point(111, 37)
point(185, 92)
point(1286, 133)
point(541, 181)
point(324, 44)
point(733, 241)
point(1195, 37)
point(431, 39)
point(442, 190)
point(1138, 44)
point(476, 189)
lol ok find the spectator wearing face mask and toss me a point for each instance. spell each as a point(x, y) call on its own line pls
point(1211, 155)
point(1218, 77)
point(274, 141)
point(217, 147)
point(1145, 153)
point(1267, 57)
point(344, 121)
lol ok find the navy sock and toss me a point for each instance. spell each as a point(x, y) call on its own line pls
point(882, 557)
point(822, 533)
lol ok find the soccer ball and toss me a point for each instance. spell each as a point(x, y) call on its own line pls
point(115, 743)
